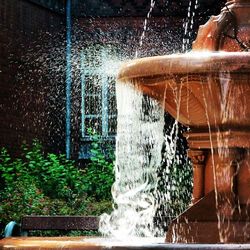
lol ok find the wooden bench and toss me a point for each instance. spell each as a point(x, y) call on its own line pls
point(64, 223)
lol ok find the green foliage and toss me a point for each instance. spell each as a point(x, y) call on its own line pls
point(180, 183)
point(99, 175)
point(49, 184)
point(53, 174)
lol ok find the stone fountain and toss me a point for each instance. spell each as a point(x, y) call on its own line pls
point(208, 90)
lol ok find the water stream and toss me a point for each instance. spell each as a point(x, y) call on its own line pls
point(145, 26)
point(138, 156)
point(188, 25)
point(150, 186)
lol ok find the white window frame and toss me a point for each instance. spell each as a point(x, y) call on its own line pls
point(105, 95)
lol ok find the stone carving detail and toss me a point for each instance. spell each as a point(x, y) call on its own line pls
point(227, 31)
point(198, 158)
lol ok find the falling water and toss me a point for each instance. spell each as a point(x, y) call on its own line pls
point(152, 4)
point(225, 206)
point(222, 204)
point(188, 25)
point(149, 187)
point(138, 156)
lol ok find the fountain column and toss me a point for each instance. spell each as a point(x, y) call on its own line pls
point(225, 178)
point(198, 160)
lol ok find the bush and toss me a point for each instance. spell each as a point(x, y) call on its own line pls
point(99, 174)
point(49, 184)
point(180, 183)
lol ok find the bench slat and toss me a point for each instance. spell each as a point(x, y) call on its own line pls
point(60, 223)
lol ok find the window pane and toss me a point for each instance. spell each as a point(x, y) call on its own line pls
point(112, 109)
point(93, 59)
point(112, 106)
point(112, 125)
point(93, 105)
point(92, 84)
point(98, 105)
point(111, 84)
point(94, 124)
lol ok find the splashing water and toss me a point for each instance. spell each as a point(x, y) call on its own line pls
point(188, 25)
point(138, 155)
point(152, 4)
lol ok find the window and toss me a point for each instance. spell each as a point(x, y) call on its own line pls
point(98, 108)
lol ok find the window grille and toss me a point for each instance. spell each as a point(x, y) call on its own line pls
point(99, 112)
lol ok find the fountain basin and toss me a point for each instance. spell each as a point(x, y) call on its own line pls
point(210, 93)
point(103, 244)
point(198, 89)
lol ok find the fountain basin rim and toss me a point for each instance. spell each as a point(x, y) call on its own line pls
point(188, 63)
point(81, 243)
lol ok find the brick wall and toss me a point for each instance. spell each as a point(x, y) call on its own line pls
point(32, 65)
point(163, 37)
point(26, 32)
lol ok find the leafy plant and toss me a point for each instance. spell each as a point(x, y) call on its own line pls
point(99, 175)
point(48, 184)
point(56, 176)
point(180, 183)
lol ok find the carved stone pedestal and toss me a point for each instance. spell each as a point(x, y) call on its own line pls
point(221, 176)
point(200, 224)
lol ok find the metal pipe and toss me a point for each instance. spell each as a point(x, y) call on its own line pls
point(68, 78)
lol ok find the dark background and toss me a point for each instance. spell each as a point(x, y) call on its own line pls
point(32, 56)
